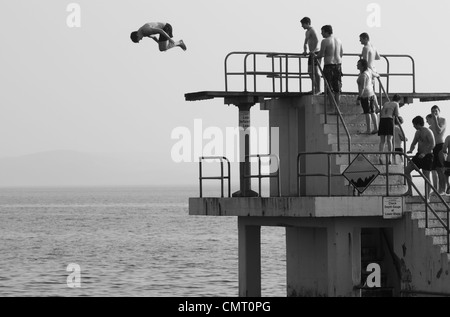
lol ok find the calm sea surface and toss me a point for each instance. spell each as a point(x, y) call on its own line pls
point(127, 241)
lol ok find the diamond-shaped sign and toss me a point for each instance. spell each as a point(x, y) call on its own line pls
point(361, 173)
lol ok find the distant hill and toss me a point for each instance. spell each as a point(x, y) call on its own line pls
point(72, 168)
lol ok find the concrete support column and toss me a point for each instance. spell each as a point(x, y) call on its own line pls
point(249, 259)
point(323, 261)
point(307, 262)
point(344, 259)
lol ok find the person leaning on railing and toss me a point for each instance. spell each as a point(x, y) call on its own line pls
point(424, 157)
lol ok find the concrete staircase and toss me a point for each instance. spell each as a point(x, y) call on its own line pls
point(356, 124)
point(435, 230)
point(424, 260)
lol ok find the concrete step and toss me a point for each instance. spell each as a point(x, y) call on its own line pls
point(431, 223)
point(382, 168)
point(417, 200)
point(354, 118)
point(353, 128)
point(444, 255)
point(435, 203)
point(380, 180)
point(355, 138)
point(435, 231)
point(421, 215)
point(374, 190)
point(356, 147)
point(347, 104)
point(440, 240)
point(372, 158)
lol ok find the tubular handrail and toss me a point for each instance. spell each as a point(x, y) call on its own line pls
point(424, 198)
point(260, 176)
point(337, 110)
point(221, 177)
point(286, 74)
point(273, 74)
point(395, 120)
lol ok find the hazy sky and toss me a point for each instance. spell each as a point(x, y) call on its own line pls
point(91, 89)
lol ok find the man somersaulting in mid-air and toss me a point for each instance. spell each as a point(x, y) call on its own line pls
point(152, 29)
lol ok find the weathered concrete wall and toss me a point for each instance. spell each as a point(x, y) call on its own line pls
point(301, 130)
point(424, 268)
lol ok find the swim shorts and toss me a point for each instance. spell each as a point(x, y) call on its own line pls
point(168, 29)
point(333, 74)
point(386, 126)
point(436, 161)
point(310, 59)
point(368, 104)
point(425, 163)
point(447, 168)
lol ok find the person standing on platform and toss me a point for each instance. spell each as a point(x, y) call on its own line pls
point(399, 138)
point(366, 96)
point(388, 114)
point(331, 51)
point(445, 150)
point(370, 54)
point(424, 157)
point(311, 43)
point(438, 126)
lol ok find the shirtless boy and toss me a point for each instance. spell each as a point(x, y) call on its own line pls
point(152, 29)
point(438, 126)
point(370, 54)
point(424, 157)
point(331, 51)
point(386, 127)
point(445, 150)
point(311, 43)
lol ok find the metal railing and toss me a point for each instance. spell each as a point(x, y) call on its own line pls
point(222, 177)
point(339, 117)
point(281, 71)
point(274, 73)
point(328, 171)
point(383, 91)
point(260, 176)
point(425, 197)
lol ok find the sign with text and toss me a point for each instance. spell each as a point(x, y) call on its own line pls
point(392, 207)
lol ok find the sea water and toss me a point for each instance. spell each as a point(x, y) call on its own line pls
point(133, 241)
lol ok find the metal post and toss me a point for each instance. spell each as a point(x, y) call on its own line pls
point(329, 175)
point(221, 178)
point(387, 175)
point(259, 174)
point(200, 177)
point(244, 149)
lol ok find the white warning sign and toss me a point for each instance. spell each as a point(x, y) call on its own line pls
point(392, 207)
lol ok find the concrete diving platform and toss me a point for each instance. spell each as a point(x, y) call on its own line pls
point(304, 207)
point(332, 236)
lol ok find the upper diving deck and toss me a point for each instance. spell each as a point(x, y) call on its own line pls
point(267, 75)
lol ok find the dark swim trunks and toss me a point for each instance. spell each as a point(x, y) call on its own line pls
point(386, 126)
point(436, 161)
point(168, 29)
point(447, 168)
point(310, 59)
point(425, 163)
point(333, 74)
point(368, 104)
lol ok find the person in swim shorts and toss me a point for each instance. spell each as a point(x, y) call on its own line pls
point(366, 96)
point(424, 158)
point(331, 51)
point(152, 30)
